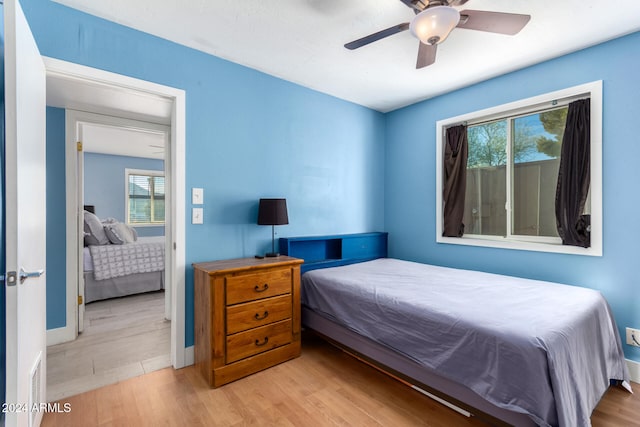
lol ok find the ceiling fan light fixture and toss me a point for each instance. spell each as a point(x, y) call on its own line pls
point(433, 25)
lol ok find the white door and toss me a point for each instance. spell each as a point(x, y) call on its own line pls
point(25, 100)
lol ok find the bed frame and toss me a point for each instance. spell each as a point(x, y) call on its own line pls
point(418, 377)
point(95, 290)
point(351, 248)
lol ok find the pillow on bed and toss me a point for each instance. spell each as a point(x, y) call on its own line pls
point(119, 233)
point(93, 230)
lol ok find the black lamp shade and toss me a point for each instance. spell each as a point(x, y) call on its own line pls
point(273, 212)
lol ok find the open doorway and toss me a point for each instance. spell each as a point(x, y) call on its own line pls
point(74, 87)
point(123, 305)
point(122, 165)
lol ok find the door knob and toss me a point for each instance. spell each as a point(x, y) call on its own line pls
point(24, 275)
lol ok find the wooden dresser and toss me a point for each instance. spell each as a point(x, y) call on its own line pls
point(247, 316)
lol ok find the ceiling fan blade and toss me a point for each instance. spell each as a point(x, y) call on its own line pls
point(377, 36)
point(414, 4)
point(420, 5)
point(426, 55)
point(493, 22)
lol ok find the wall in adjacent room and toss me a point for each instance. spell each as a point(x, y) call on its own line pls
point(56, 220)
point(104, 185)
point(410, 183)
point(248, 135)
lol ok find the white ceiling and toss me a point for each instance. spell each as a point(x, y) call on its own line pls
point(302, 40)
point(97, 138)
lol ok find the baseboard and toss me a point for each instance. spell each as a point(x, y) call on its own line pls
point(634, 370)
point(60, 335)
point(189, 356)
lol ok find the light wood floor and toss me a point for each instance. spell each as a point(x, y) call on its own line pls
point(323, 387)
point(123, 338)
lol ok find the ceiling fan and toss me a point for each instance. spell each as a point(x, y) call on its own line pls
point(434, 21)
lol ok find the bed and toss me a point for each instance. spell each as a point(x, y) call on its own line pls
point(513, 351)
point(116, 262)
point(112, 270)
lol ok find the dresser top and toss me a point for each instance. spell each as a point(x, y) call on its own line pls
point(239, 264)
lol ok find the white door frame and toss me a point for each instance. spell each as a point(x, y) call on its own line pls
point(174, 165)
point(75, 122)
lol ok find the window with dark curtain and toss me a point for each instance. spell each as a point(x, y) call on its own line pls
point(455, 180)
point(574, 177)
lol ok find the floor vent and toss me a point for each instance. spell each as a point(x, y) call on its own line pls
point(35, 388)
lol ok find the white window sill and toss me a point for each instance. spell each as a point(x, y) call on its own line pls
point(502, 243)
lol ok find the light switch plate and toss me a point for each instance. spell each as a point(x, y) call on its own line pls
point(197, 216)
point(197, 196)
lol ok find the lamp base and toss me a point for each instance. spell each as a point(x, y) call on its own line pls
point(272, 254)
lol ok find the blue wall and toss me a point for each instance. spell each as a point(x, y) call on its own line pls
point(411, 174)
point(249, 135)
point(104, 185)
point(344, 168)
point(56, 220)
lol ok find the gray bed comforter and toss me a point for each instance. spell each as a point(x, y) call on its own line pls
point(143, 256)
point(533, 347)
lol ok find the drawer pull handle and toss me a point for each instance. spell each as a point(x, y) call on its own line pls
point(260, 344)
point(264, 288)
point(264, 316)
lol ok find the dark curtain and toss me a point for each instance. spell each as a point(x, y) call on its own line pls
point(574, 177)
point(455, 180)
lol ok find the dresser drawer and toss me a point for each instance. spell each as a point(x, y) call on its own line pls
point(250, 287)
point(246, 316)
point(241, 317)
point(258, 340)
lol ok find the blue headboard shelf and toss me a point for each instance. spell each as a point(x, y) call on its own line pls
point(335, 250)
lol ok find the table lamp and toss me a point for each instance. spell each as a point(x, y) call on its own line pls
point(273, 212)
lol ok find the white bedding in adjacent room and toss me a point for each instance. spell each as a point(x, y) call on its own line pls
point(142, 256)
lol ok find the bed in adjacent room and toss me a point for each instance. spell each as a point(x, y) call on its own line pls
point(116, 262)
point(520, 351)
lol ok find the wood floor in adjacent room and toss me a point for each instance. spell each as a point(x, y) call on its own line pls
point(123, 338)
point(323, 387)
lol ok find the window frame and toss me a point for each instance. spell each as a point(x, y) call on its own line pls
point(592, 90)
point(142, 172)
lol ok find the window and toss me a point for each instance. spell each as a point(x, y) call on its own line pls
point(518, 157)
point(512, 172)
point(145, 197)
